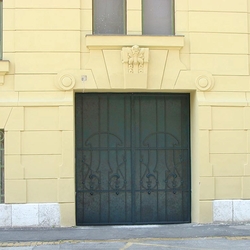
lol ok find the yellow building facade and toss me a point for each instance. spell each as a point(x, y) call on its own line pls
point(50, 53)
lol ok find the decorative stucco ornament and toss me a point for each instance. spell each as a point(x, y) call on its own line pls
point(66, 82)
point(204, 82)
point(135, 66)
point(136, 59)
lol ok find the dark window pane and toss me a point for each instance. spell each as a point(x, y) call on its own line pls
point(109, 16)
point(157, 17)
point(1, 28)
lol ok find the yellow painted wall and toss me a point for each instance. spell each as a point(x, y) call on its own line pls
point(49, 47)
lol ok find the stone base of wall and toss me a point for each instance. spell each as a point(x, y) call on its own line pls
point(30, 215)
point(48, 214)
point(230, 211)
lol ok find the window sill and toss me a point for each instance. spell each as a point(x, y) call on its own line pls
point(4, 69)
point(118, 41)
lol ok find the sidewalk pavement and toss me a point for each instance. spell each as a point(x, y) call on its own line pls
point(153, 237)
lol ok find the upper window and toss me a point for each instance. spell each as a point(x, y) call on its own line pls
point(109, 16)
point(1, 28)
point(157, 17)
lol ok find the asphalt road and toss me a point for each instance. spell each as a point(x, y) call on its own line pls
point(155, 237)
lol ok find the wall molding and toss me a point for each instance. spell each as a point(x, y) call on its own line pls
point(117, 42)
point(4, 69)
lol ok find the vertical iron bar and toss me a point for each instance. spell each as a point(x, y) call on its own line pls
point(133, 165)
point(99, 151)
point(76, 165)
point(108, 98)
point(140, 153)
point(181, 140)
point(165, 151)
point(157, 155)
point(125, 154)
point(109, 191)
point(82, 135)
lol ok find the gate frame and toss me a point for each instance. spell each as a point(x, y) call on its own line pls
point(193, 137)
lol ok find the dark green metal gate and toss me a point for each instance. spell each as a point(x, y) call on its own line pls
point(132, 158)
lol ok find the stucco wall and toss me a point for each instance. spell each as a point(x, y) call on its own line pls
point(51, 58)
point(219, 42)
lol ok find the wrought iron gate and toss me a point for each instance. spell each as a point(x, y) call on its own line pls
point(132, 158)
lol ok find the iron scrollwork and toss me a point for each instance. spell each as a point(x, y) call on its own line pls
point(149, 180)
point(91, 181)
point(116, 180)
point(173, 179)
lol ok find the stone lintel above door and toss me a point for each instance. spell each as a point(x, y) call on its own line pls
point(133, 63)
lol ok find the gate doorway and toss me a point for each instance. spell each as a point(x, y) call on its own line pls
point(132, 158)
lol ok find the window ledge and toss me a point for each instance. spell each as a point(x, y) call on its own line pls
point(117, 41)
point(4, 69)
